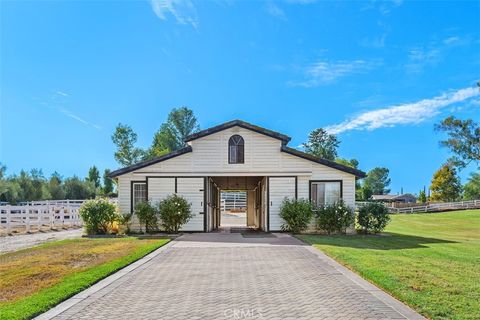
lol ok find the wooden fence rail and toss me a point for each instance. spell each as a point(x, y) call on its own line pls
point(41, 214)
point(434, 207)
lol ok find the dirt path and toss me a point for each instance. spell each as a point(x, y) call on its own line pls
point(17, 242)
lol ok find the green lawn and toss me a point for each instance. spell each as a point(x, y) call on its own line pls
point(36, 279)
point(429, 261)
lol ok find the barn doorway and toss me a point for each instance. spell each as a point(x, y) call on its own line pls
point(233, 208)
point(239, 203)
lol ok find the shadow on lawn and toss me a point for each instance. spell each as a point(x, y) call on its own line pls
point(388, 241)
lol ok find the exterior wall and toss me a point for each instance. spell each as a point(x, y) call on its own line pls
point(263, 157)
point(279, 189)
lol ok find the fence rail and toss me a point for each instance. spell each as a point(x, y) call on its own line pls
point(433, 207)
point(48, 214)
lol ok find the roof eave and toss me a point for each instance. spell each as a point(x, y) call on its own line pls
point(328, 163)
point(149, 162)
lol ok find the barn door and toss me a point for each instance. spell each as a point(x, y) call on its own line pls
point(279, 188)
point(192, 189)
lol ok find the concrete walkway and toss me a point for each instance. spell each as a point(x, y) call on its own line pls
point(233, 276)
point(23, 241)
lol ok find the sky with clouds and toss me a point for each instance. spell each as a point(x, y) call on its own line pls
point(379, 74)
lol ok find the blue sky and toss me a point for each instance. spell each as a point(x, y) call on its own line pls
point(377, 73)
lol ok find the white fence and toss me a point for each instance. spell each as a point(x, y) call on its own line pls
point(434, 207)
point(50, 214)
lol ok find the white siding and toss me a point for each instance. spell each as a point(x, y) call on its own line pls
point(159, 188)
point(192, 190)
point(263, 157)
point(279, 188)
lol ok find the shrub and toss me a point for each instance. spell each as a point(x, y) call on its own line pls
point(98, 215)
point(174, 212)
point(372, 218)
point(334, 218)
point(297, 214)
point(147, 216)
point(124, 221)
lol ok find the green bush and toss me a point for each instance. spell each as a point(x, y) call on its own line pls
point(372, 218)
point(147, 216)
point(98, 215)
point(174, 212)
point(124, 222)
point(297, 214)
point(334, 218)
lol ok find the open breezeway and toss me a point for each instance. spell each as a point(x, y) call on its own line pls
point(234, 276)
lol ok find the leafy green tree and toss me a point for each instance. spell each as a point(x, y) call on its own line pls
point(446, 184)
point(171, 136)
point(472, 187)
point(33, 185)
point(322, 144)
point(125, 138)
point(94, 176)
point(349, 163)
point(463, 140)
point(107, 183)
point(75, 188)
point(55, 187)
point(376, 182)
point(422, 196)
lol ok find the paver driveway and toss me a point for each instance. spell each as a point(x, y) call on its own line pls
point(228, 276)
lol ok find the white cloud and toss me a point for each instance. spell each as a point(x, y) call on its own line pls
point(325, 72)
point(419, 58)
point(74, 116)
point(451, 40)
point(409, 113)
point(275, 11)
point(61, 93)
point(183, 11)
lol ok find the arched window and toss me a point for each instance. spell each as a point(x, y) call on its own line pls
point(236, 147)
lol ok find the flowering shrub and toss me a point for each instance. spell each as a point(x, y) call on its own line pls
point(372, 218)
point(297, 214)
point(174, 212)
point(334, 218)
point(98, 215)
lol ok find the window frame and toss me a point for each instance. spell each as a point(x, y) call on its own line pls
point(311, 182)
point(242, 145)
point(132, 193)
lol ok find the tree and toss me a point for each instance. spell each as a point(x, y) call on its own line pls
point(125, 138)
point(322, 144)
point(422, 196)
point(75, 188)
point(171, 136)
point(472, 187)
point(107, 183)
point(446, 184)
point(94, 176)
point(463, 140)
point(349, 163)
point(55, 187)
point(376, 182)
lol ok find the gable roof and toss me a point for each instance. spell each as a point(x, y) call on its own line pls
point(284, 138)
point(325, 162)
point(149, 162)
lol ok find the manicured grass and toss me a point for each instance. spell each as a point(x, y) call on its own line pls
point(36, 279)
point(429, 261)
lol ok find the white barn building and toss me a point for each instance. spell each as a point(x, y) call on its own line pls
point(236, 156)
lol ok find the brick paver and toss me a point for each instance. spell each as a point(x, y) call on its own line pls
point(225, 276)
